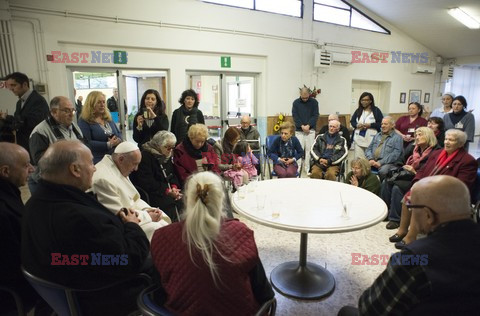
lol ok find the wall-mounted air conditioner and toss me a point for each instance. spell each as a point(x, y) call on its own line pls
point(422, 69)
point(447, 73)
point(323, 59)
point(341, 58)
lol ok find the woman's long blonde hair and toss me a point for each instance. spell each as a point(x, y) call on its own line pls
point(88, 109)
point(203, 216)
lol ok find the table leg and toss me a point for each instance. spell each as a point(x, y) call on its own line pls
point(301, 279)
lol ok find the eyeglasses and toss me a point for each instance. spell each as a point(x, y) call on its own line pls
point(68, 111)
point(412, 206)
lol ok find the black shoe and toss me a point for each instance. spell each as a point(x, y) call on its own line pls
point(393, 225)
point(400, 245)
point(396, 238)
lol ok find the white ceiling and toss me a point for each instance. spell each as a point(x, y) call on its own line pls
point(428, 22)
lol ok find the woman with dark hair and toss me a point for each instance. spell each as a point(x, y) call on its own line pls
point(186, 115)
point(208, 264)
point(224, 149)
point(436, 124)
point(151, 117)
point(407, 124)
point(461, 119)
point(366, 120)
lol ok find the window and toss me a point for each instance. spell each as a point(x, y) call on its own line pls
point(341, 13)
point(89, 80)
point(287, 7)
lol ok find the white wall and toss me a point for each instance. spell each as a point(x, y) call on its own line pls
point(283, 65)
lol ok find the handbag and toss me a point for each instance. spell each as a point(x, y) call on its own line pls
point(399, 174)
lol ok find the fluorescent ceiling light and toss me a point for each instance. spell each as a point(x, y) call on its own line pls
point(464, 18)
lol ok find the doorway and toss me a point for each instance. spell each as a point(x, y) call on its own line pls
point(224, 99)
point(379, 89)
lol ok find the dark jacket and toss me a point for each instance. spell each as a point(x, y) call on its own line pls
point(181, 122)
point(370, 183)
point(340, 150)
point(463, 167)
point(150, 178)
point(343, 132)
point(250, 133)
point(160, 123)
point(242, 285)
point(377, 113)
point(452, 270)
point(63, 219)
point(33, 112)
point(96, 138)
point(185, 164)
point(274, 151)
point(305, 113)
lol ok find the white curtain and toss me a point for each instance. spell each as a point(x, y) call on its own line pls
point(466, 82)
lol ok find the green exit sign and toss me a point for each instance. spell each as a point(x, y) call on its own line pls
point(226, 61)
point(119, 57)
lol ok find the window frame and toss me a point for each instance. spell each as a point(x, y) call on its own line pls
point(352, 7)
point(302, 4)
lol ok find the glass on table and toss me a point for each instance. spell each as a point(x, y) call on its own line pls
point(261, 202)
point(241, 191)
point(252, 184)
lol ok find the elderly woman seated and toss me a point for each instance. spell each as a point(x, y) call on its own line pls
point(454, 161)
point(209, 265)
point(361, 176)
point(285, 151)
point(194, 154)
point(156, 176)
point(399, 180)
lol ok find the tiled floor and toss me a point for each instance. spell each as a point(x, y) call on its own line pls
point(331, 250)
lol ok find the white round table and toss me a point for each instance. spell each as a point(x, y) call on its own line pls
point(308, 206)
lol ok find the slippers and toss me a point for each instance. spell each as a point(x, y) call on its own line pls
point(396, 237)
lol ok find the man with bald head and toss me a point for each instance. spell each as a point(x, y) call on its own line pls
point(248, 132)
point(114, 189)
point(14, 170)
point(69, 238)
point(58, 125)
point(328, 152)
point(343, 130)
point(438, 274)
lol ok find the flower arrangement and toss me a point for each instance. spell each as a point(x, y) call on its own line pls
point(280, 119)
point(313, 93)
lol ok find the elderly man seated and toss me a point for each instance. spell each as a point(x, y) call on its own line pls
point(248, 132)
point(115, 190)
point(328, 152)
point(385, 148)
point(343, 130)
point(438, 274)
point(71, 239)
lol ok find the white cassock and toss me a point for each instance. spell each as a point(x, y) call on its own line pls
point(115, 191)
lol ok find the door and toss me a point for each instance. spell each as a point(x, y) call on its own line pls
point(224, 99)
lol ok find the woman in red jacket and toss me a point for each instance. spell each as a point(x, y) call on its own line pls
point(194, 154)
point(208, 264)
point(454, 161)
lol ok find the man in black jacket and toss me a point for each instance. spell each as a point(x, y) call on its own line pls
point(14, 170)
point(69, 238)
point(30, 110)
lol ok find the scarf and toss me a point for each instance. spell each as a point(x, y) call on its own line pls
point(457, 117)
point(192, 151)
point(161, 158)
point(286, 149)
point(417, 156)
point(442, 160)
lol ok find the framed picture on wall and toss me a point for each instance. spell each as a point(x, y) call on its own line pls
point(415, 96)
point(403, 97)
point(426, 98)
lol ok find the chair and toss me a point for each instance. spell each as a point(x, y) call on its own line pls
point(148, 307)
point(18, 301)
point(257, 153)
point(268, 142)
point(343, 167)
point(63, 299)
